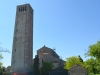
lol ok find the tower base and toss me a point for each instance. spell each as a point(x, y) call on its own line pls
point(22, 73)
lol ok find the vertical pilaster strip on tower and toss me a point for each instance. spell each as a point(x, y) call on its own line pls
point(25, 42)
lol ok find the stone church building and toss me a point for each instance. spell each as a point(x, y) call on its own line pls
point(22, 48)
point(49, 55)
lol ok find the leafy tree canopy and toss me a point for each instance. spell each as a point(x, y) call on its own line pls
point(1, 58)
point(71, 61)
point(94, 50)
point(92, 65)
point(2, 70)
point(46, 67)
point(8, 68)
point(36, 65)
point(80, 59)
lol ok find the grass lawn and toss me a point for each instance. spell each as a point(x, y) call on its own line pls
point(94, 74)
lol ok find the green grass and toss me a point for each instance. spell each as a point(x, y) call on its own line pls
point(93, 74)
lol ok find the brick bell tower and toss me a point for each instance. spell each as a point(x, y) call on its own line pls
point(22, 50)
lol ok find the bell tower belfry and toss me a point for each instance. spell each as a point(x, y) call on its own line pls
point(22, 49)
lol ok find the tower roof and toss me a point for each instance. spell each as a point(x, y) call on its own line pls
point(25, 5)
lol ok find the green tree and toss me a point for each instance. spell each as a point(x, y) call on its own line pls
point(80, 59)
point(31, 66)
point(71, 61)
point(8, 70)
point(46, 67)
point(4, 70)
point(94, 50)
point(1, 72)
point(1, 58)
point(94, 61)
point(36, 65)
point(92, 65)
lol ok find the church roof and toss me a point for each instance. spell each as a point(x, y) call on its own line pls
point(75, 66)
point(45, 49)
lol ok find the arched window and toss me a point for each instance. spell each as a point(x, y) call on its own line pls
point(23, 8)
point(14, 61)
point(17, 30)
point(19, 9)
point(15, 50)
point(31, 11)
point(15, 38)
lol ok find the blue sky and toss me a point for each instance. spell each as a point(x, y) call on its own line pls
point(70, 26)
